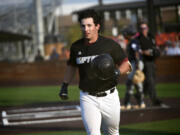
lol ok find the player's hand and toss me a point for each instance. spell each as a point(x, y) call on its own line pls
point(148, 52)
point(64, 91)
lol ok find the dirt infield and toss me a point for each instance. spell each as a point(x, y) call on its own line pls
point(66, 116)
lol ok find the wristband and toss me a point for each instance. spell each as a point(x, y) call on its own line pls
point(65, 84)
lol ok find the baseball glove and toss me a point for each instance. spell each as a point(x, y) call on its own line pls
point(138, 77)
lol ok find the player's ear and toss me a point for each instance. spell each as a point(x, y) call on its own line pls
point(98, 27)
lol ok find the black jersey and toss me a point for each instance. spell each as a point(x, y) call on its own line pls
point(81, 55)
point(146, 43)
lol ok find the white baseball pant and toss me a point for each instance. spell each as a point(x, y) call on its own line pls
point(100, 112)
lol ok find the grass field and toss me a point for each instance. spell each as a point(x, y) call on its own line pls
point(167, 127)
point(11, 96)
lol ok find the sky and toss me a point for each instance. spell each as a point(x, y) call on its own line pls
point(94, 1)
point(5, 2)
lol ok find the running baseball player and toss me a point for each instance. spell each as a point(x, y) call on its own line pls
point(99, 61)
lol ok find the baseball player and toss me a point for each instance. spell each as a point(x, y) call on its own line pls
point(133, 51)
point(99, 61)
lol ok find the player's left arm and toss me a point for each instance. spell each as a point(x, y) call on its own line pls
point(121, 60)
point(125, 67)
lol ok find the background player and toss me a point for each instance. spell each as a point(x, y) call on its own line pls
point(99, 100)
point(134, 56)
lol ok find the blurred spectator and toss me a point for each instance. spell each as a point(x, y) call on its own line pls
point(161, 39)
point(169, 43)
point(122, 41)
point(39, 56)
point(149, 54)
point(172, 49)
point(54, 55)
point(65, 54)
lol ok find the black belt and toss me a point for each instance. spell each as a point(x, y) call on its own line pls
point(103, 93)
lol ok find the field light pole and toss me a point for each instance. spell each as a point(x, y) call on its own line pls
point(151, 16)
point(39, 27)
point(100, 2)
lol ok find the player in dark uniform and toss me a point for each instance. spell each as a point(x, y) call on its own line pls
point(134, 56)
point(149, 54)
point(99, 100)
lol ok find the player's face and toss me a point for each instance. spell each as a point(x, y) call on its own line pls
point(144, 29)
point(89, 29)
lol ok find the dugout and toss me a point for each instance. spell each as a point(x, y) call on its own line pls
point(13, 45)
point(6, 36)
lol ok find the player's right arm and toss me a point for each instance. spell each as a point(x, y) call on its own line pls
point(69, 75)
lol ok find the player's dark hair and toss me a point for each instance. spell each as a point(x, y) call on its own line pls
point(90, 13)
point(143, 22)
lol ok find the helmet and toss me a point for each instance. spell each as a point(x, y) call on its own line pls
point(103, 67)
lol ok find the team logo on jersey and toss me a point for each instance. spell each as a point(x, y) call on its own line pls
point(85, 59)
point(134, 46)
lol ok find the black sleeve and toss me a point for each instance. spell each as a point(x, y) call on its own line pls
point(118, 53)
point(72, 59)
